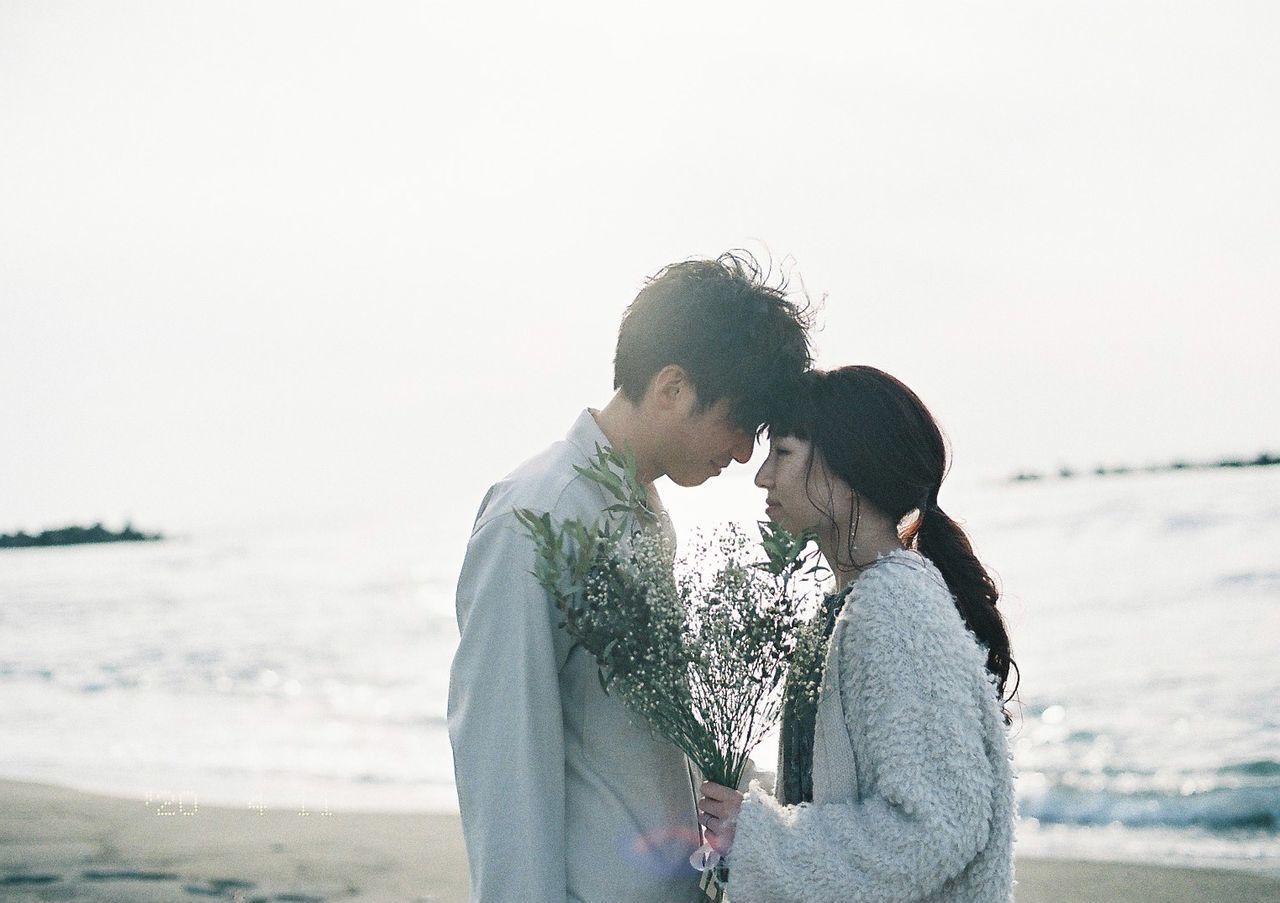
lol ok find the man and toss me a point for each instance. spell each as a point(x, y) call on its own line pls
point(564, 795)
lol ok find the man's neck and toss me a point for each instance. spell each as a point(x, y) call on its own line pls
point(624, 427)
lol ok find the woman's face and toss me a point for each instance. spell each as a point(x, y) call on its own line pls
point(801, 497)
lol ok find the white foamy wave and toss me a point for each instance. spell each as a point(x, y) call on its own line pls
point(1222, 809)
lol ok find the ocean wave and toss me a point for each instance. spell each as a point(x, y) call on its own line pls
point(1251, 579)
point(1261, 768)
point(1222, 809)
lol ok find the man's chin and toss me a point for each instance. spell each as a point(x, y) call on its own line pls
point(690, 480)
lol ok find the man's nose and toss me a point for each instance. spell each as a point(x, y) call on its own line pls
point(745, 446)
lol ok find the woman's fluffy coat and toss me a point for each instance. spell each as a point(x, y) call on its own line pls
point(913, 788)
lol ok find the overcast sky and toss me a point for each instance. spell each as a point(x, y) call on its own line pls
point(261, 257)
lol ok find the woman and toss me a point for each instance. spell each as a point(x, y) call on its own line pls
point(894, 778)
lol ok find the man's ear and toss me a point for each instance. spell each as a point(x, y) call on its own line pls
point(670, 386)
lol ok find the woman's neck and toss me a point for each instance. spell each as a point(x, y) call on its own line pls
point(871, 540)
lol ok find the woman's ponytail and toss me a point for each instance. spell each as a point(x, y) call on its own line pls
point(944, 542)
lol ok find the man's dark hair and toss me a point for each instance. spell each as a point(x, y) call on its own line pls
point(736, 336)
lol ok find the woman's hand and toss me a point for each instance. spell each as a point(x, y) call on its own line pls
point(718, 808)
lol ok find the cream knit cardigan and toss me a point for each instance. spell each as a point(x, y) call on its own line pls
point(912, 784)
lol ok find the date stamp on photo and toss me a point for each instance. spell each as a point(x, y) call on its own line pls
point(187, 802)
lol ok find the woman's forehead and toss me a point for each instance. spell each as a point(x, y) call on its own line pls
point(790, 443)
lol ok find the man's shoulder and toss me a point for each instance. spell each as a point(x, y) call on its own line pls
point(550, 482)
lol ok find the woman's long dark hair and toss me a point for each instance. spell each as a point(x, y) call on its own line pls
point(878, 436)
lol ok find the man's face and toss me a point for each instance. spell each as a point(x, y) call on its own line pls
point(701, 444)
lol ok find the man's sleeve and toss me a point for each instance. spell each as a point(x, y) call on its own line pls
point(505, 722)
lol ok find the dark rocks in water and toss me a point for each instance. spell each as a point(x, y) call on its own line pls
point(20, 879)
point(69, 536)
point(127, 875)
point(1266, 459)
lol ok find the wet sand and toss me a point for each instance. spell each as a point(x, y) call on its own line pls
point(59, 844)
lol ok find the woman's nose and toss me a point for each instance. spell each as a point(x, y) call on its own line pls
point(764, 479)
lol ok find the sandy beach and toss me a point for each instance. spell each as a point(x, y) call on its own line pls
point(59, 844)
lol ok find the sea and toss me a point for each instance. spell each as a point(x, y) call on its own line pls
point(302, 664)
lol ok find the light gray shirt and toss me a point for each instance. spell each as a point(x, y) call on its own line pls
point(565, 796)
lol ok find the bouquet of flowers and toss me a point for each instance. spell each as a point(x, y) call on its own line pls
point(700, 653)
